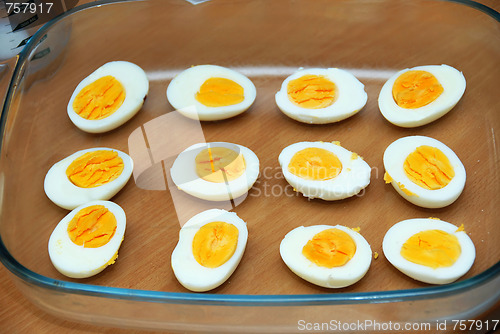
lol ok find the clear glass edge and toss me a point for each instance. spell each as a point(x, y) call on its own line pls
point(336, 298)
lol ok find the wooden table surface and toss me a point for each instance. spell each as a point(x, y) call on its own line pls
point(18, 315)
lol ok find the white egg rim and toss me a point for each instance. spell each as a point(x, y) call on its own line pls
point(453, 90)
point(136, 89)
point(297, 238)
point(69, 196)
point(344, 106)
point(182, 254)
point(433, 198)
point(328, 189)
point(188, 82)
point(96, 258)
point(223, 191)
point(400, 232)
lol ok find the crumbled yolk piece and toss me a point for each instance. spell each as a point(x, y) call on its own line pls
point(415, 89)
point(219, 164)
point(429, 168)
point(93, 169)
point(215, 243)
point(330, 248)
point(92, 227)
point(220, 92)
point(99, 99)
point(432, 248)
point(315, 164)
point(405, 190)
point(311, 92)
point(461, 228)
point(387, 178)
point(375, 255)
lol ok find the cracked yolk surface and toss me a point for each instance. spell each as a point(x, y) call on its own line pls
point(311, 91)
point(219, 164)
point(415, 89)
point(215, 243)
point(330, 248)
point(429, 168)
point(432, 248)
point(315, 164)
point(99, 99)
point(95, 168)
point(92, 227)
point(220, 92)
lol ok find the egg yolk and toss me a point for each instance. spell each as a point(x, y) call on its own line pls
point(219, 164)
point(415, 89)
point(95, 168)
point(429, 168)
point(220, 92)
point(215, 243)
point(315, 164)
point(99, 99)
point(311, 92)
point(432, 248)
point(330, 248)
point(92, 227)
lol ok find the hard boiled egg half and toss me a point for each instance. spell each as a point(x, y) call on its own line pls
point(108, 97)
point(87, 240)
point(324, 170)
point(87, 175)
point(328, 256)
point(424, 171)
point(210, 247)
point(210, 93)
point(420, 95)
point(320, 96)
point(216, 171)
point(429, 250)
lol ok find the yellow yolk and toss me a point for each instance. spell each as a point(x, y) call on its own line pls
point(220, 92)
point(429, 168)
point(214, 244)
point(330, 248)
point(311, 92)
point(92, 227)
point(387, 178)
point(415, 89)
point(93, 169)
point(432, 248)
point(219, 164)
point(99, 99)
point(315, 164)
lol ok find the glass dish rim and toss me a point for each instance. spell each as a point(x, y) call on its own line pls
point(332, 298)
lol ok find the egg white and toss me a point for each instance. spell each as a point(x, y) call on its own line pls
point(351, 97)
point(394, 157)
point(354, 177)
point(183, 173)
point(60, 190)
point(181, 93)
point(77, 261)
point(338, 277)
point(136, 85)
point(187, 270)
point(453, 83)
point(400, 232)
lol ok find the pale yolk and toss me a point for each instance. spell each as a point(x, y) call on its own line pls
point(99, 99)
point(315, 164)
point(311, 92)
point(415, 89)
point(220, 92)
point(92, 227)
point(432, 248)
point(330, 248)
point(219, 164)
point(429, 168)
point(215, 243)
point(93, 169)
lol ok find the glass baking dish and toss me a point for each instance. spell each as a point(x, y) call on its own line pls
point(267, 41)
